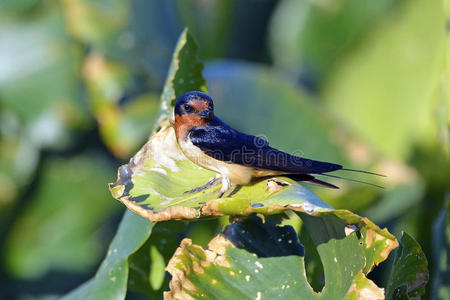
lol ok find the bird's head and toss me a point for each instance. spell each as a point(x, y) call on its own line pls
point(195, 108)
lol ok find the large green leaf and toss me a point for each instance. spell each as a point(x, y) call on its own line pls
point(110, 281)
point(223, 271)
point(410, 271)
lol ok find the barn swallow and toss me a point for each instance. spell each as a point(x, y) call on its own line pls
point(237, 157)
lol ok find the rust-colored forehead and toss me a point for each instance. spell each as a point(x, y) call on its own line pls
point(199, 104)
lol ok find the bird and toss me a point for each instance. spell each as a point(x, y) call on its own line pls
point(236, 157)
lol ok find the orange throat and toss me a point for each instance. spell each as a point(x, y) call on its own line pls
point(184, 123)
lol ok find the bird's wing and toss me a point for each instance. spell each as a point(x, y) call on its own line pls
point(226, 144)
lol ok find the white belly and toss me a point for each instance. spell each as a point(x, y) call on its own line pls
point(237, 174)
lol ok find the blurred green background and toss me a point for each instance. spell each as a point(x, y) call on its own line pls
point(357, 82)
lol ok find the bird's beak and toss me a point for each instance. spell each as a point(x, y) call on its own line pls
point(206, 114)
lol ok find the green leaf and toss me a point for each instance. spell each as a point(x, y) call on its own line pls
point(110, 281)
point(395, 70)
point(410, 270)
point(223, 271)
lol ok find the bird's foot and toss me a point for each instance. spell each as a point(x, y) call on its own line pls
point(213, 182)
point(226, 184)
point(234, 191)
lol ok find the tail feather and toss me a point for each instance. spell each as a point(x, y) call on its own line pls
point(312, 180)
point(319, 182)
point(309, 178)
point(349, 179)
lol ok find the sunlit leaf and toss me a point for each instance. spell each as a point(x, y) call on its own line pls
point(224, 271)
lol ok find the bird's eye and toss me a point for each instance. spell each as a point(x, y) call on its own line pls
point(187, 107)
